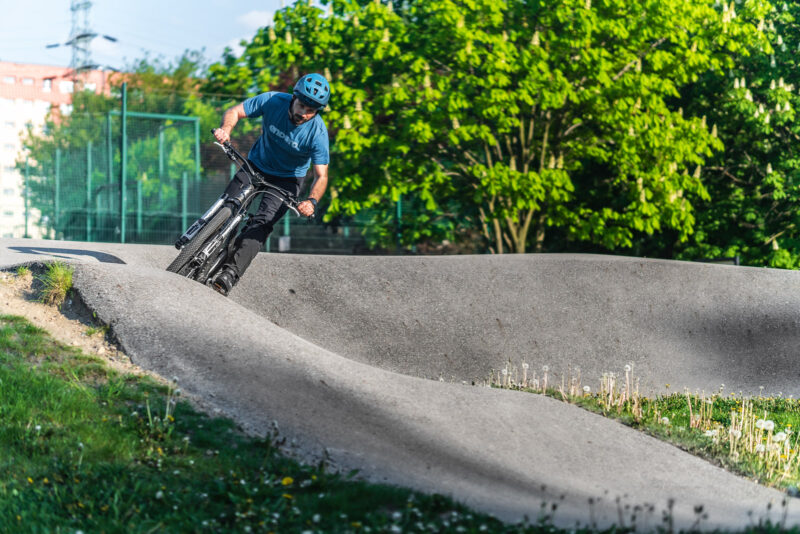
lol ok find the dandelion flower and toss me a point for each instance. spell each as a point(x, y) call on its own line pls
point(760, 424)
point(760, 448)
point(711, 433)
point(665, 420)
point(159, 494)
point(780, 436)
point(287, 481)
point(627, 368)
point(736, 433)
point(587, 389)
point(769, 426)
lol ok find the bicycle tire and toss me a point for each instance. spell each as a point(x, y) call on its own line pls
point(191, 248)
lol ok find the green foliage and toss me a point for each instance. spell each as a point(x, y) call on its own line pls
point(525, 115)
point(56, 282)
point(754, 184)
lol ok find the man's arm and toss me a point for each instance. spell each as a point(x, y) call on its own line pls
point(229, 120)
point(317, 190)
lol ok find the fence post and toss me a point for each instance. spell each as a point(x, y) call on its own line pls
point(110, 155)
point(160, 153)
point(89, 191)
point(184, 199)
point(58, 193)
point(399, 222)
point(196, 150)
point(25, 195)
point(139, 205)
point(123, 161)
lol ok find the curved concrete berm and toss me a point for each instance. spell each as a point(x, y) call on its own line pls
point(333, 348)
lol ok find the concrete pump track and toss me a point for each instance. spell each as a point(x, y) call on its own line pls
point(371, 361)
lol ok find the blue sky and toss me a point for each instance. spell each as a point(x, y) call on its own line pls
point(161, 27)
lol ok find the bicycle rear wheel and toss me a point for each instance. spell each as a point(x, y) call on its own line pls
point(182, 263)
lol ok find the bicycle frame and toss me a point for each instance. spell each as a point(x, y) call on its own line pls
point(243, 199)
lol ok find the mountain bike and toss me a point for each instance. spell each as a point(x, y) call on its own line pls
point(205, 246)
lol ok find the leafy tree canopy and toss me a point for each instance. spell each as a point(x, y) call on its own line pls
point(528, 114)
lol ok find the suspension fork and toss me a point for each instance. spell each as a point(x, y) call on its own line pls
point(241, 202)
point(200, 223)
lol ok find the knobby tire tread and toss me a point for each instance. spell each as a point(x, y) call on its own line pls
point(191, 248)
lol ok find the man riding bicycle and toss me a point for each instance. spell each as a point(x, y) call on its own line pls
point(293, 137)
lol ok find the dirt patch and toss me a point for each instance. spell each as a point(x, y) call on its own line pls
point(72, 324)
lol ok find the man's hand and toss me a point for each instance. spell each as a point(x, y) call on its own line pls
point(306, 208)
point(222, 135)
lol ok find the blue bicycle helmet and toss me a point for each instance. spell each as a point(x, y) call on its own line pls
point(313, 90)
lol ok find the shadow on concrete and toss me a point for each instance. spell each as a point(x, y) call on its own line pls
point(68, 253)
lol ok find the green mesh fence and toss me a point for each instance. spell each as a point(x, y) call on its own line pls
point(146, 181)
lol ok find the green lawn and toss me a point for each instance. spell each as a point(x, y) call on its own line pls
point(83, 448)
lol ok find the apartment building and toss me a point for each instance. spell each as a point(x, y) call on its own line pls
point(27, 94)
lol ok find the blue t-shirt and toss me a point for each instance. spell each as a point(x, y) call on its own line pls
point(284, 149)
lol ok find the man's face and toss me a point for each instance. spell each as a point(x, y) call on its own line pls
point(300, 113)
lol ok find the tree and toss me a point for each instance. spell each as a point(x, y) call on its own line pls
point(527, 114)
point(754, 184)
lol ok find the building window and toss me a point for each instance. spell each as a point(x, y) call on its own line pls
point(9, 168)
point(47, 85)
point(9, 124)
point(66, 86)
point(9, 192)
point(8, 213)
point(9, 79)
point(10, 146)
point(27, 81)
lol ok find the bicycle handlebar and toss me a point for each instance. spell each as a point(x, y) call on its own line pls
point(288, 198)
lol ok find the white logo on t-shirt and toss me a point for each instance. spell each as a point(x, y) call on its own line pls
point(276, 131)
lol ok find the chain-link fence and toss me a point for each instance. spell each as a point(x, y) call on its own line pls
point(140, 177)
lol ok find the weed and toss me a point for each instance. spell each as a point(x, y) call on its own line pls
point(750, 436)
point(92, 330)
point(57, 281)
point(23, 271)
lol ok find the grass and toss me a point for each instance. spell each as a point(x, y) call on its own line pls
point(56, 281)
point(85, 448)
point(751, 436)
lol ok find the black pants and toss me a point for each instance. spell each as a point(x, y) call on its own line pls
point(253, 236)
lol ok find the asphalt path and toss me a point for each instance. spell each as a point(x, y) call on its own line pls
point(371, 361)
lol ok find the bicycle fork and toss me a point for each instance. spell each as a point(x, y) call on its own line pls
point(200, 223)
